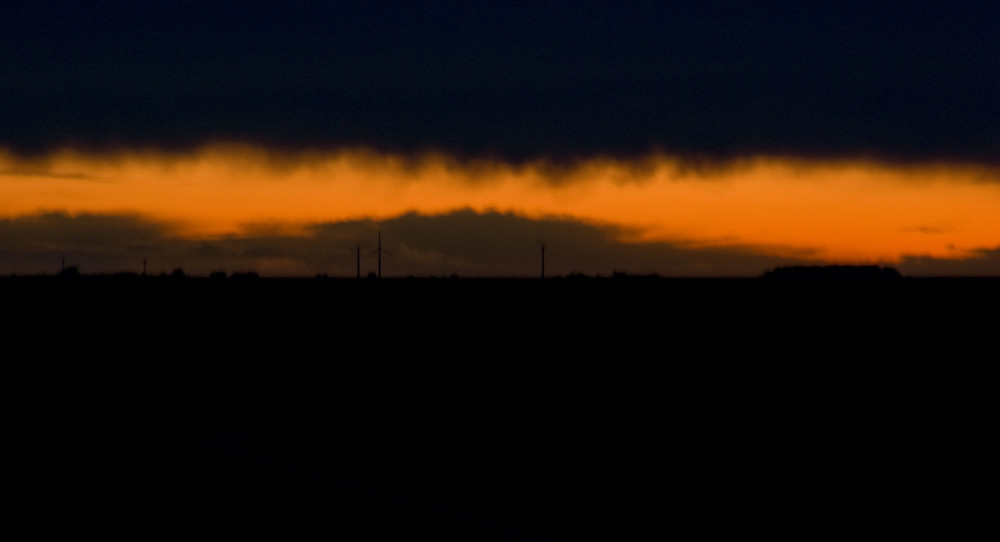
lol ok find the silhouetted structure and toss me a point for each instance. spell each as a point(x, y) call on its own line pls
point(543, 261)
point(833, 272)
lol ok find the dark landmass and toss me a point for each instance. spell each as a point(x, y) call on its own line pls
point(833, 272)
point(499, 409)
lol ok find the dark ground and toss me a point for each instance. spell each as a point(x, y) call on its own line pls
point(500, 409)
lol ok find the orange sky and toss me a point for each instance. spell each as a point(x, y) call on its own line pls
point(850, 212)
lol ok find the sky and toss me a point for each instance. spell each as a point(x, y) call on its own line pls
point(671, 138)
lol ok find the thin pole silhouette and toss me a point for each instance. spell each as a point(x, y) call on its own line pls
point(543, 261)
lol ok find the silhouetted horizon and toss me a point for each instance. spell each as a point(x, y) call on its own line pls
point(490, 271)
point(548, 409)
point(791, 272)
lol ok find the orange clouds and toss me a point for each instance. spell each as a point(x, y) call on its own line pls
point(845, 212)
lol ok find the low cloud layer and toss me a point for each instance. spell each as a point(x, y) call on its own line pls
point(983, 263)
point(462, 243)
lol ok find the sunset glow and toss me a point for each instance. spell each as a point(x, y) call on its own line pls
point(826, 212)
point(444, 270)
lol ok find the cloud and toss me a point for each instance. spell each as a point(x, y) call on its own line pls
point(467, 243)
point(60, 230)
point(68, 176)
point(931, 229)
point(463, 243)
point(983, 262)
point(42, 243)
point(523, 82)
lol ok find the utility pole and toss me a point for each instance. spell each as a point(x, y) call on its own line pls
point(543, 261)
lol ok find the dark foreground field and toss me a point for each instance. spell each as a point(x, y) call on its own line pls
point(561, 409)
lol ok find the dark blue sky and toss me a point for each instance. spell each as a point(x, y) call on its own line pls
point(518, 80)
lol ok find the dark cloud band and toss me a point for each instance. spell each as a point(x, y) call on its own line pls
point(904, 82)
